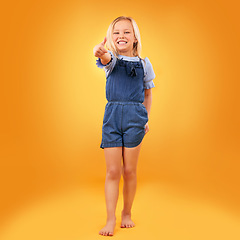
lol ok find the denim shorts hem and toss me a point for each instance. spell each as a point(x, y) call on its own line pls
point(132, 145)
point(120, 144)
point(111, 144)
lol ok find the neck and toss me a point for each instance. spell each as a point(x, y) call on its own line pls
point(127, 54)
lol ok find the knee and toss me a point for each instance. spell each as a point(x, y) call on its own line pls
point(129, 173)
point(114, 174)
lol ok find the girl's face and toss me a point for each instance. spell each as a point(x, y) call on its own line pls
point(123, 37)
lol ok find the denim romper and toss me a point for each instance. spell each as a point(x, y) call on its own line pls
point(125, 116)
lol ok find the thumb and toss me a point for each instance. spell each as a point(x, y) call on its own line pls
point(104, 41)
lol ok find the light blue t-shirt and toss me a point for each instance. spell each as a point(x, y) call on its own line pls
point(149, 74)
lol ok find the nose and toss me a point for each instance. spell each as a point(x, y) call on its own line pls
point(121, 35)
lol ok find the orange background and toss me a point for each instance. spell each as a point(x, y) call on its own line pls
point(53, 99)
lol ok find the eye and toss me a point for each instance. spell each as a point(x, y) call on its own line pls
point(116, 33)
point(127, 32)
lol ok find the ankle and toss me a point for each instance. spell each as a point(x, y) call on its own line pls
point(124, 212)
point(111, 219)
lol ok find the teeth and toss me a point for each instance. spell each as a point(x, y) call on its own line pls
point(122, 42)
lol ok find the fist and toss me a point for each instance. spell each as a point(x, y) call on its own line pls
point(99, 49)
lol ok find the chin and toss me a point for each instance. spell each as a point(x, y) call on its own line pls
point(122, 49)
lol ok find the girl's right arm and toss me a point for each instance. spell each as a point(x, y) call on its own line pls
point(100, 52)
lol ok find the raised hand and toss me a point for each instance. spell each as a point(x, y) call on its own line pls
point(99, 50)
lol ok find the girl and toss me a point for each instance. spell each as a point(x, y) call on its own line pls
point(125, 122)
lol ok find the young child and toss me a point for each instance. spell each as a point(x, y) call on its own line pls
point(125, 122)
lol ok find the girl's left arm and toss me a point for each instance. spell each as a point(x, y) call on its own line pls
point(148, 100)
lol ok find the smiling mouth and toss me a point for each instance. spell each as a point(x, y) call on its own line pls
point(122, 42)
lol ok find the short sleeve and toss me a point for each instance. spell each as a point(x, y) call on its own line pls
point(109, 66)
point(149, 74)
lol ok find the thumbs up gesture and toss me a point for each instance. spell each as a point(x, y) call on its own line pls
point(99, 50)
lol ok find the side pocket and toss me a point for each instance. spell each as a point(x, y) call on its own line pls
point(145, 110)
point(107, 113)
point(143, 114)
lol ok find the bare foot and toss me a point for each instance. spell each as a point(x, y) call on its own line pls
point(127, 221)
point(109, 228)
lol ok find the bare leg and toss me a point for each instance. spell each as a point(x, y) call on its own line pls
point(113, 157)
point(130, 159)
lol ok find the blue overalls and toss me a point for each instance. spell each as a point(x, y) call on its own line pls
point(125, 116)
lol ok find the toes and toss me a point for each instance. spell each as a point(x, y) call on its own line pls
point(127, 225)
point(108, 234)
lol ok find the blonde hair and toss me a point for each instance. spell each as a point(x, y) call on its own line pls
point(136, 46)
